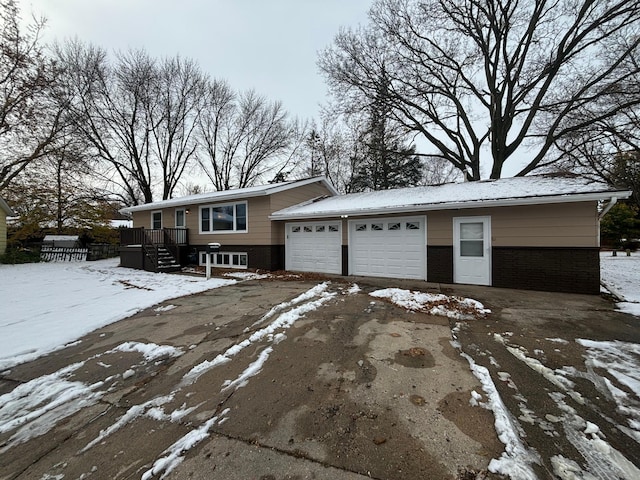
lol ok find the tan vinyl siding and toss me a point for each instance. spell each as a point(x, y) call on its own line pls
point(297, 195)
point(3, 231)
point(558, 225)
point(258, 225)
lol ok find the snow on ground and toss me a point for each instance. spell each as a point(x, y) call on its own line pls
point(47, 305)
point(621, 276)
point(434, 304)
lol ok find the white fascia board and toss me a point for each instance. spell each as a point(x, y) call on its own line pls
point(300, 183)
point(186, 201)
point(509, 202)
point(222, 196)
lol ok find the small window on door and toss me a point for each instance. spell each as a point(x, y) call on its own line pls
point(471, 239)
point(180, 218)
point(156, 220)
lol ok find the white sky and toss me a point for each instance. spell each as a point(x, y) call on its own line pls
point(271, 46)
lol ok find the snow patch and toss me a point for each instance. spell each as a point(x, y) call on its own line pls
point(282, 322)
point(434, 304)
point(174, 455)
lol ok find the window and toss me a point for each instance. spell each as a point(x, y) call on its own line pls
point(377, 227)
point(413, 226)
point(471, 239)
point(295, 229)
point(307, 229)
point(226, 259)
point(156, 220)
point(180, 218)
point(361, 227)
point(226, 218)
point(319, 228)
point(393, 226)
point(333, 228)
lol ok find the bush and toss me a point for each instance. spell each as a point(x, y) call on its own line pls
point(20, 255)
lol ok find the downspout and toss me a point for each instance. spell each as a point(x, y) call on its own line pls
point(604, 211)
point(607, 207)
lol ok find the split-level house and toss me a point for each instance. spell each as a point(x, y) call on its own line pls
point(536, 232)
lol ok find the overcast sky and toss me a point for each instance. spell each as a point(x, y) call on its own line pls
point(268, 45)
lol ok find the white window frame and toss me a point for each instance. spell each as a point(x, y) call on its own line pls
point(202, 260)
point(184, 217)
point(161, 219)
point(235, 218)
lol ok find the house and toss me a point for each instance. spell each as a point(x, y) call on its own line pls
point(537, 232)
point(173, 232)
point(5, 211)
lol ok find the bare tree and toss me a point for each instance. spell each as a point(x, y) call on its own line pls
point(174, 115)
point(138, 115)
point(243, 136)
point(505, 77)
point(30, 119)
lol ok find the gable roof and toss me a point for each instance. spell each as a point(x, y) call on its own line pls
point(6, 208)
point(225, 195)
point(532, 190)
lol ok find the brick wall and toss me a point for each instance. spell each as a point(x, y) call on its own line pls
point(573, 270)
point(440, 264)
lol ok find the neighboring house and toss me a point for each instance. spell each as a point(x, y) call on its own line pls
point(537, 232)
point(5, 211)
point(61, 241)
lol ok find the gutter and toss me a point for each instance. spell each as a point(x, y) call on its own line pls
point(607, 207)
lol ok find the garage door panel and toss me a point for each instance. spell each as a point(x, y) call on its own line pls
point(397, 251)
point(314, 247)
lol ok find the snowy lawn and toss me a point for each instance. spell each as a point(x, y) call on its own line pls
point(47, 305)
point(621, 276)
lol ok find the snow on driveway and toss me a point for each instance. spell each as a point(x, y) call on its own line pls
point(47, 305)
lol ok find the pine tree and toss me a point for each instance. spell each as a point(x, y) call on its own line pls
point(388, 162)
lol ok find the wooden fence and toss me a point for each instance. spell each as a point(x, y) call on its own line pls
point(63, 254)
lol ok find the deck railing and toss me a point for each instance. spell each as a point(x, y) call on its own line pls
point(145, 236)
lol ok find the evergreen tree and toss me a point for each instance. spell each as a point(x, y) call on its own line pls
point(387, 162)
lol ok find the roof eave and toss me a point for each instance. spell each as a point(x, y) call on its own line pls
point(231, 196)
point(509, 202)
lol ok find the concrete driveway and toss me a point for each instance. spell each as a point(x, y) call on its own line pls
point(335, 384)
point(296, 379)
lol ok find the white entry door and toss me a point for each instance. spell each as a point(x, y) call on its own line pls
point(394, 247)
point(314, 247)
point(472, 250)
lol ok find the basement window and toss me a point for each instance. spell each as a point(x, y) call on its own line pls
point(226, 259)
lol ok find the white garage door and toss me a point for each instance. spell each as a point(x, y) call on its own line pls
point(314, 247)
point(388, 247)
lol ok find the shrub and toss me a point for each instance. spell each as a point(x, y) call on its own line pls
point(20, 255)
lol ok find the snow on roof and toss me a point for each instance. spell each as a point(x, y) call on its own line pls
point(237, 193)
point(508, 191)
point(59, 238)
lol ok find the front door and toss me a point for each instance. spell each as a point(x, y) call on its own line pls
point(472, 250)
